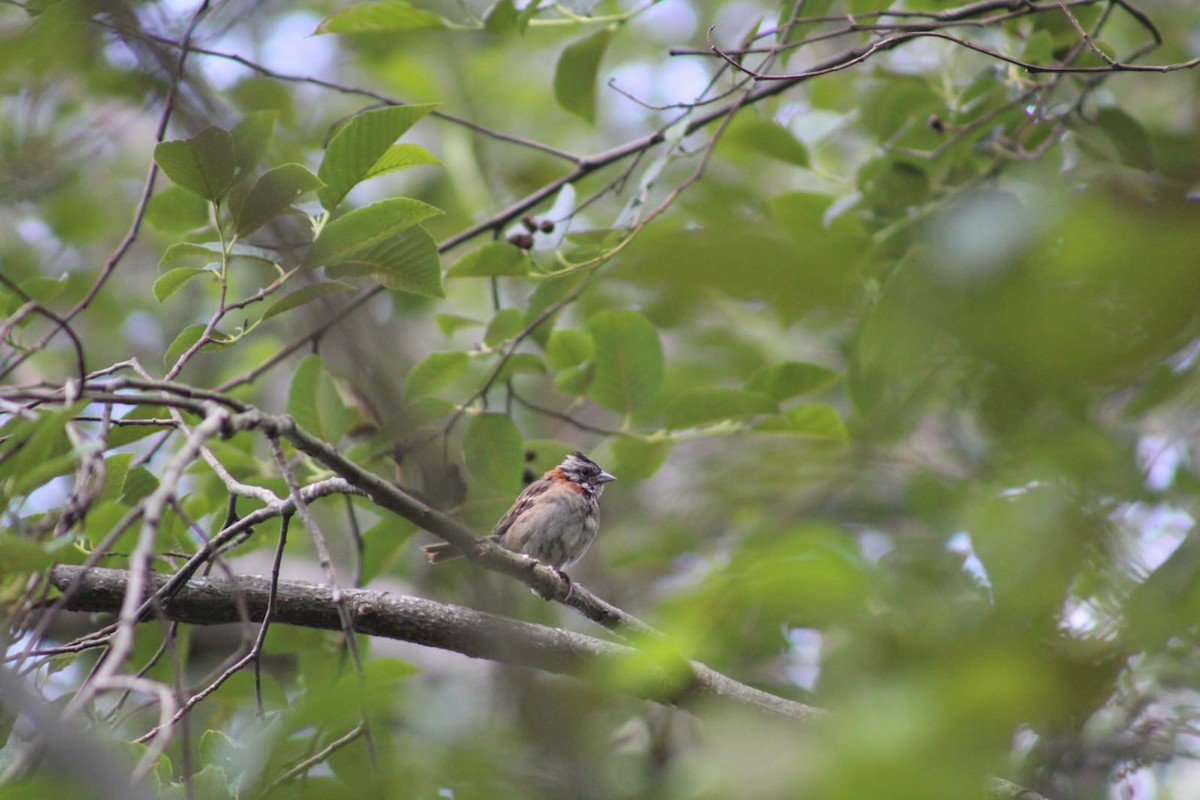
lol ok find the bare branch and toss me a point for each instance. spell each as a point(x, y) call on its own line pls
point(207, 601)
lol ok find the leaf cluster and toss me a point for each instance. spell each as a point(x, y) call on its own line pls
point(885, 319)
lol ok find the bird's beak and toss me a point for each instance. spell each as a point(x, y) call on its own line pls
point(604, 477)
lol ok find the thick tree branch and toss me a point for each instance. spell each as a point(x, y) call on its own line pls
point(208, 601)
point(547, 582)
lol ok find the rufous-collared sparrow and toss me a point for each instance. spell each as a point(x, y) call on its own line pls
point(553, 520)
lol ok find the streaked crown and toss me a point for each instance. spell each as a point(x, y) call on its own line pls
point(587, 473)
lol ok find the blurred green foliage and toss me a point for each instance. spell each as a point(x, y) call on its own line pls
point(901, 393)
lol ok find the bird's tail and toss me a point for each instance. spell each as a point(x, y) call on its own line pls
point(442, 551)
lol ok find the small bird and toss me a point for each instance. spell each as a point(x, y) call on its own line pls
point(553, 520)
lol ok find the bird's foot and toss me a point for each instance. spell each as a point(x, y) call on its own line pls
point(570, 584)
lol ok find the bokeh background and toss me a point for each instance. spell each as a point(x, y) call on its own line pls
point(896, 368)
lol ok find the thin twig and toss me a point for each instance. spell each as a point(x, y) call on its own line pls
point(316, 758)
point(32, 306)
point(152, 508)
point(253, 653)
point(321, 545)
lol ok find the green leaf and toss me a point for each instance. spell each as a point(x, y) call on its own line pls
point(494, 452)
point(304, 295)
point(314, 401)
point(491, 260)
point(247, 256)
point(42, 473)
point(364, 228)
point(629, 360)
point(786, 32)
point(1162, 384)
point(450, 323)
point(172, 281)
point(218, 749)
point(426, 409)
point(138, 483)
point(359, 145)
point(568, 347)
point(257, 93)
point(251, 137)
point(1038, 47)
point(792, 378)
point(899, 103)
point(212, 782)
point(124, 434)
point(433, 373)
point(507, 323)
point(30, 442)
point(384, 545)
point(1128, 136)
point(575, 73)
point(41, 289)
point(383, 16)
point(204, 165)
point(176, 210)
point(102, 517)
point(116, 469)
point(550, 294)
point(402, 156)
point(575, 380)
point(594, 243)
point(520, 362)
point(272, 193)
point(18, 554)
point(187, 254)
point(527, 14)
point(188, 337)
point(386, 673)
point(695, 407)
point(809, 568)
point(407, 262)
point(237, 458)
point(891, 185)
point(817, 420)
point(639, 458)
point(501, 18)
point(750, 132)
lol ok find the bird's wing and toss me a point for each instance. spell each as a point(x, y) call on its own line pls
point(522, 504)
